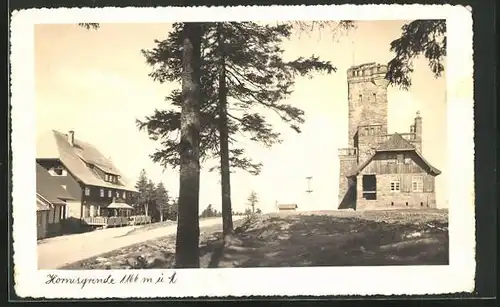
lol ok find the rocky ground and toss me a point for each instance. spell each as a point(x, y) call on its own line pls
point(335, 238)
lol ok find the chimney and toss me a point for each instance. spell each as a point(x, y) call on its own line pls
point(418, 131)
point(71, 137)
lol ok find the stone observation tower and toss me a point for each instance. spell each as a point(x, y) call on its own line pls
point(368, 137)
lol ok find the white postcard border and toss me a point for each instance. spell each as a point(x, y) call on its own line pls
point(456, 277)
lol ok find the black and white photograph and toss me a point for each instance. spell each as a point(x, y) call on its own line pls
point(307, 142)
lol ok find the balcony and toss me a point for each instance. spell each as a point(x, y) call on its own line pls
point(348, 151)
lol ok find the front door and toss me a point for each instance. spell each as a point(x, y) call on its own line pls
point(370, 187)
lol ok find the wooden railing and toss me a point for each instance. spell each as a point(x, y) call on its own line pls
point(348, 151)
point(112, 221)
point(139, 219)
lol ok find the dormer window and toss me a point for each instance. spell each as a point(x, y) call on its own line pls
point(111, 178)
point(58, 171)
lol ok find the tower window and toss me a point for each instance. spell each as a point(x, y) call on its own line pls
point(374, 97)
point(360, 98)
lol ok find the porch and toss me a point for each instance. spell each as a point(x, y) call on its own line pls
point(114, 215)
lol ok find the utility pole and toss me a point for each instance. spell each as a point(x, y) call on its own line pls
point(309, 190)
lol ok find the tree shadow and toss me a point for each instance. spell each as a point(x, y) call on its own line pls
point(300, 240)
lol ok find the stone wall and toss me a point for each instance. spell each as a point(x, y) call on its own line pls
point(367, 97)
point(347, 163)
point(387, 199)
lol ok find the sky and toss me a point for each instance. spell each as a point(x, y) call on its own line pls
point(96, 83)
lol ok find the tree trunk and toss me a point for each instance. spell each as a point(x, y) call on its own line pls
point(227, 218)
point(188, 227)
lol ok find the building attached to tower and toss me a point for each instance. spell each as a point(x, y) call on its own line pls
point(380, 170)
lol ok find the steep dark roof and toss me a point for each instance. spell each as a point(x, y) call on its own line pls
point(49, 188)
point(55, 145)
point(396, 143)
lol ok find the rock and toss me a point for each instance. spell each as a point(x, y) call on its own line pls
point(406, 244)
point(414, 235)
point(231, 240)
point(132, 262)
point(156, 262)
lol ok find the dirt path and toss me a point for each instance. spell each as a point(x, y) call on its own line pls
point(60, 251)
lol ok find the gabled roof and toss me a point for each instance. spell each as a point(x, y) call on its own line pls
point(48, 188)
point(396, 143)
point(55, 145)
point(42, 204)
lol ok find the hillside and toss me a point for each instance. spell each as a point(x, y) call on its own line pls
point(335, 238)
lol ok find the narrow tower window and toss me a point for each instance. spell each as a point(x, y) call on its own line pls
point(360, 98)
point(374, 97)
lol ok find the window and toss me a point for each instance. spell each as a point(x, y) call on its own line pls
point(86, 211)
point(417, 184)
point(58, 171)
point(407, 160)
point(110, 193)
point(101, 192)
point(87, 191)
point(374, 97)
point(395, 185)
point(124, 195)
point(117, 194)
point(372, 131)
point(106, 177)
point(391, 158)
point(366, 131)
point(401, 158)
point(360, 98)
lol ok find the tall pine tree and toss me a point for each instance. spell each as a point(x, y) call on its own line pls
point(141, 198)
point(187, 250)
point(243, 72)
point(161, 200)
point(149, 207)
point(419, 37)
